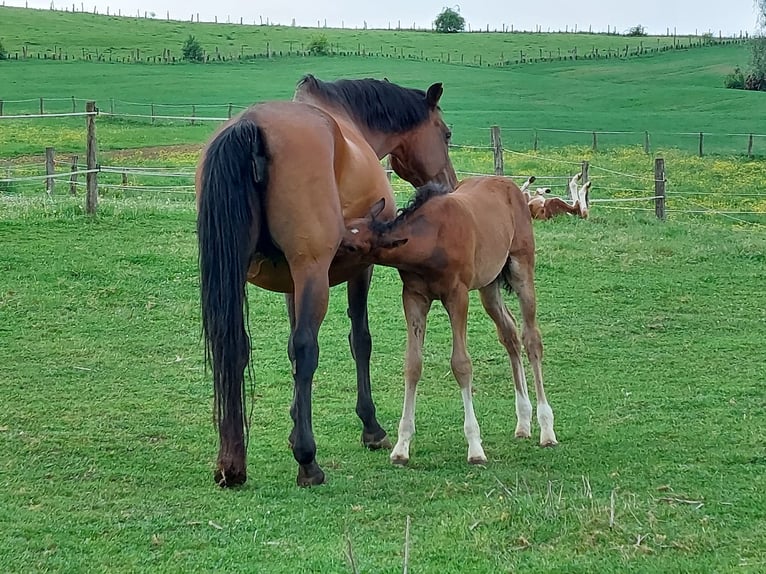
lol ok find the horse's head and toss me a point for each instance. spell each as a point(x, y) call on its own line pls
point(422, 155)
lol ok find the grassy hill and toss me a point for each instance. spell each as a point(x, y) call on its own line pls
point(666, 94)
point(76, 34)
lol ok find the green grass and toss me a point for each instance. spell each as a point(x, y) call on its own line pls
point(653, 366)
point(50, 32)
point(666, 95)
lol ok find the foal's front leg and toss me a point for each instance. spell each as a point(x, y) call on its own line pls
point(373, 435)
point(457, 308)
point(416, 309)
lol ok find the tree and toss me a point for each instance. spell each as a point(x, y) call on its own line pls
point(756, 79)
point(319, 45)
point(637, 31)
point(192, 50)
point(3, 53)
point(450, 20)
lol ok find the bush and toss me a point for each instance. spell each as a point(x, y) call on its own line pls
point(637, 31)
point(735, 80)
point(192, 50)
point(319, 45)
point(3, 53)
point(449, 21)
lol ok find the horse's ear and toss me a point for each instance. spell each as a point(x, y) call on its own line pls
point(434, 94)
point(378, 208)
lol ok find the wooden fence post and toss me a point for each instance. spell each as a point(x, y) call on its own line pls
point(124, 179)
point(595, 142)
point(659, 188)
point(50, 169)
point(152, 114)
point(534, 146)
point(1, 107)
point(646, 143)
point(229, 111)
point(73, 176)
point(701, 138)
point(91, 178)
point(749, 140)
point(74, 105)
point(42, 107)
point(584, 170)
point(497, 147)
point(194, 113)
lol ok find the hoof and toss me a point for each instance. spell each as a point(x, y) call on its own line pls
point(399, 460)
point(310, 475)
point(376, 441)
point(548, 442)
point(477, 460)
point(523, 434)
point(231, 477)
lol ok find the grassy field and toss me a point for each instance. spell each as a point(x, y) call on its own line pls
point(48, 32)
point(653, 367)
point(653, 331)
point(667, 95)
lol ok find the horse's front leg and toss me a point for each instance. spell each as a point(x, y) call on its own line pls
point(373, 435)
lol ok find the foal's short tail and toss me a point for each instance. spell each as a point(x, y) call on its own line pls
point(231, 184)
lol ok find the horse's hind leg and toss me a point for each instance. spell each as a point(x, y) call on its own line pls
point(457, 308)
point(493, 303)
point(523, 283)
point(373, 435)
point(415, 312)
point(312, 291)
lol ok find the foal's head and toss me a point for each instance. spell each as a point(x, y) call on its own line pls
point(366, 236)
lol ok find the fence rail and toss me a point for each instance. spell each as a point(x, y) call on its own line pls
point(648, 189)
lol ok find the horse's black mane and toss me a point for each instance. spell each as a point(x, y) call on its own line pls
point(379, 104)
point(422, 195)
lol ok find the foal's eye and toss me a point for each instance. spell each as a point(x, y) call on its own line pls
point(448, 136)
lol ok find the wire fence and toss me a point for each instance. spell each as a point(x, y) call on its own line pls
point(703, 142)
point(612, 189)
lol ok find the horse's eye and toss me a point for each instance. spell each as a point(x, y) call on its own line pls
point(448, 136)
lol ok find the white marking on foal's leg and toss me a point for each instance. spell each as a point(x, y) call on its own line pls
point(545, 418)
point(401, 452)
point(471, 429)
point(523, 404)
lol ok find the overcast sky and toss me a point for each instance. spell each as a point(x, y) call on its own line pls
point(686, 16)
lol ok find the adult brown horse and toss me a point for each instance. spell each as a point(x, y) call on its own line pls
point(274, 187)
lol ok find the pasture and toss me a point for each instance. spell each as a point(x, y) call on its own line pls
point(652, 330)
point(653, 367)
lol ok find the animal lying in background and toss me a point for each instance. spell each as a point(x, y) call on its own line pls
point(542, 207)
point(445, 245)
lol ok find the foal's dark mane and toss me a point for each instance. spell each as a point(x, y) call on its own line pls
point(379, 104)
point(422, 195)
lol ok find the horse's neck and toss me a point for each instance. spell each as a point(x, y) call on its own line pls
point(381, 143)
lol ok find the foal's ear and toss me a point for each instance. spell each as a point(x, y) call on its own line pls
point(434, 94)
point(377, 208)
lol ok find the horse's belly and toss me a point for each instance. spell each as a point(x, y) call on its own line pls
point(275, 276)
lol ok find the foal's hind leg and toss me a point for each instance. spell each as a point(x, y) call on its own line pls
point(415, 312)
point(457, 308)
point(493, 303)
point(523, 283)
point(373, 435)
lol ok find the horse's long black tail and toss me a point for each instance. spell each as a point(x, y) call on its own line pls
point(230, 203)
